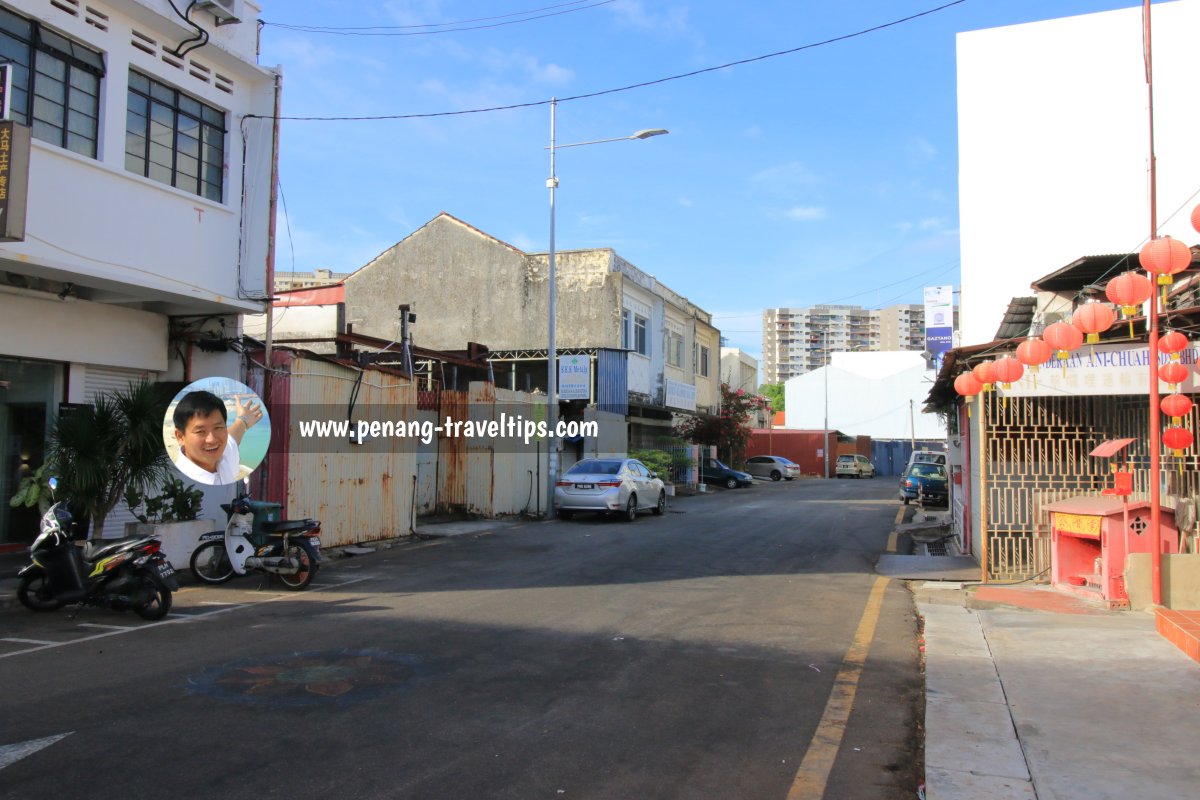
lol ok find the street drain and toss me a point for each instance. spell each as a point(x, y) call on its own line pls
point(936, 549)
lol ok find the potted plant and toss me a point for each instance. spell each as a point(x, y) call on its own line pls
point(170, 516)
point(33, 490)
point(98, 452)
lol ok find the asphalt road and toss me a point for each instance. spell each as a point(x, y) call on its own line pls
point(714, 652)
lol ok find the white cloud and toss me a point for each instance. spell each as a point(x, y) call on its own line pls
point(805, 213)
point(523, 241)
point(686, 202)
point(633, 14)
point(921, 149)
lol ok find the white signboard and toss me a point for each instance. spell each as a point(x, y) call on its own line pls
point(574, 378)
point(1100, 370)
point(681, 395)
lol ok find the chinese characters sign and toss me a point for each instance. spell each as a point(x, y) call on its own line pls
point(14, 180)
point(1100, 370)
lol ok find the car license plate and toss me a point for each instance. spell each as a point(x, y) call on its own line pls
point(585, 486)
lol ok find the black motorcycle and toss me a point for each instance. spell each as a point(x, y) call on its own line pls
point(122, 574)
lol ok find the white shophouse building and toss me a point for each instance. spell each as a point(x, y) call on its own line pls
point(149, 202)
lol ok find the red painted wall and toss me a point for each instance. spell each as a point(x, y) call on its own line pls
point(799, 446)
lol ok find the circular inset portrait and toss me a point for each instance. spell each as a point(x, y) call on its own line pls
point(216, 431)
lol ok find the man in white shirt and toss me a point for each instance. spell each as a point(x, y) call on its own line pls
point(208, 447)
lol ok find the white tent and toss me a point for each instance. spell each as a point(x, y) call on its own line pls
point(872, 394)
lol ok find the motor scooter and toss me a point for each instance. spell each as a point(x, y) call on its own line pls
point(122, 574)
point(252, 542)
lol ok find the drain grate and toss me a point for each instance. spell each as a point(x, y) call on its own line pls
point(936, 549)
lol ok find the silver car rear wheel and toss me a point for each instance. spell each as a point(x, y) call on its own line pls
point(631, 508)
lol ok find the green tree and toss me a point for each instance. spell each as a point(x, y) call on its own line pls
point(97, 453)
point(774, 393)
point(728, 430)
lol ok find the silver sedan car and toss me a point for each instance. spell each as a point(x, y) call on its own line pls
point(773, 467)
point(611, 485)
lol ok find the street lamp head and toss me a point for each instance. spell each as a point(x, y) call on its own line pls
point(646, 134)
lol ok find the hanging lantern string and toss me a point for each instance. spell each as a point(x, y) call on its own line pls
point(1081, 294)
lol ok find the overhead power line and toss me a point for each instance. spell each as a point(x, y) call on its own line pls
point(405, 30)
point(642, 85)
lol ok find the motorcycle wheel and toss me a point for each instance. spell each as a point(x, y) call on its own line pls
point(308, 568)
point(210, 563)
point(159, 603)
point(35, 594)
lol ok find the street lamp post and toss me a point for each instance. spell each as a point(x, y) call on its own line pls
point(825, 373)
point(551, 351)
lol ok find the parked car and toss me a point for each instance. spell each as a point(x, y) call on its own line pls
point(714, 472)
point(926, 482)
point(850, 466)
point(609, 485)
point(926, 457)
point(773, 467)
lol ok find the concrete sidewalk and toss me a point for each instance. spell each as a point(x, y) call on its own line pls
point(1031, 696)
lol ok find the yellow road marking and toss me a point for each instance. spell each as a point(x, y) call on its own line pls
point(813, 774)
point(891, 545)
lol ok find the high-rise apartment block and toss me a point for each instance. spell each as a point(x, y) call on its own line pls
point(799, 340)
point(902, 327)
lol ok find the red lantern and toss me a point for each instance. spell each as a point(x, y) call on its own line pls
point(1173, 373)
point(1008, 371)
point(1172, 343)
point(985, 373)
point(1165, 257)
point(1177, 439)
point(1176, 406)
point(1129, 290)
point(1093, 319)
point(1033, 352)
point(1063, 337)
point(1196, 218)
point(967, 385)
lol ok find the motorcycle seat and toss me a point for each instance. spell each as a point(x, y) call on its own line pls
point(288, 526)
point(94, 550)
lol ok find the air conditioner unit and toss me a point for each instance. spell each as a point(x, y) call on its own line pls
point(227, 12)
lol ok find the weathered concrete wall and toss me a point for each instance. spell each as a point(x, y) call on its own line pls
point(1180, 581)
point(467, 286)
point(589, 298)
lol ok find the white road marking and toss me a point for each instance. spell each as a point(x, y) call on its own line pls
point(107, 627)
point(12, 753)
point(24, 641)
point(174, 620)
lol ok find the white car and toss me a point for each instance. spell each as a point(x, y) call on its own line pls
point(926, 457)
point(854, 466)
point(609, 485)
point(773, 467)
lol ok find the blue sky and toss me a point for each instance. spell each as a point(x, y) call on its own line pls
point(827, 175)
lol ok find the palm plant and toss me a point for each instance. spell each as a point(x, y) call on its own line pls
point(99, 452)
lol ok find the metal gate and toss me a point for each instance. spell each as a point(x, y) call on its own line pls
point(1036, 451)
